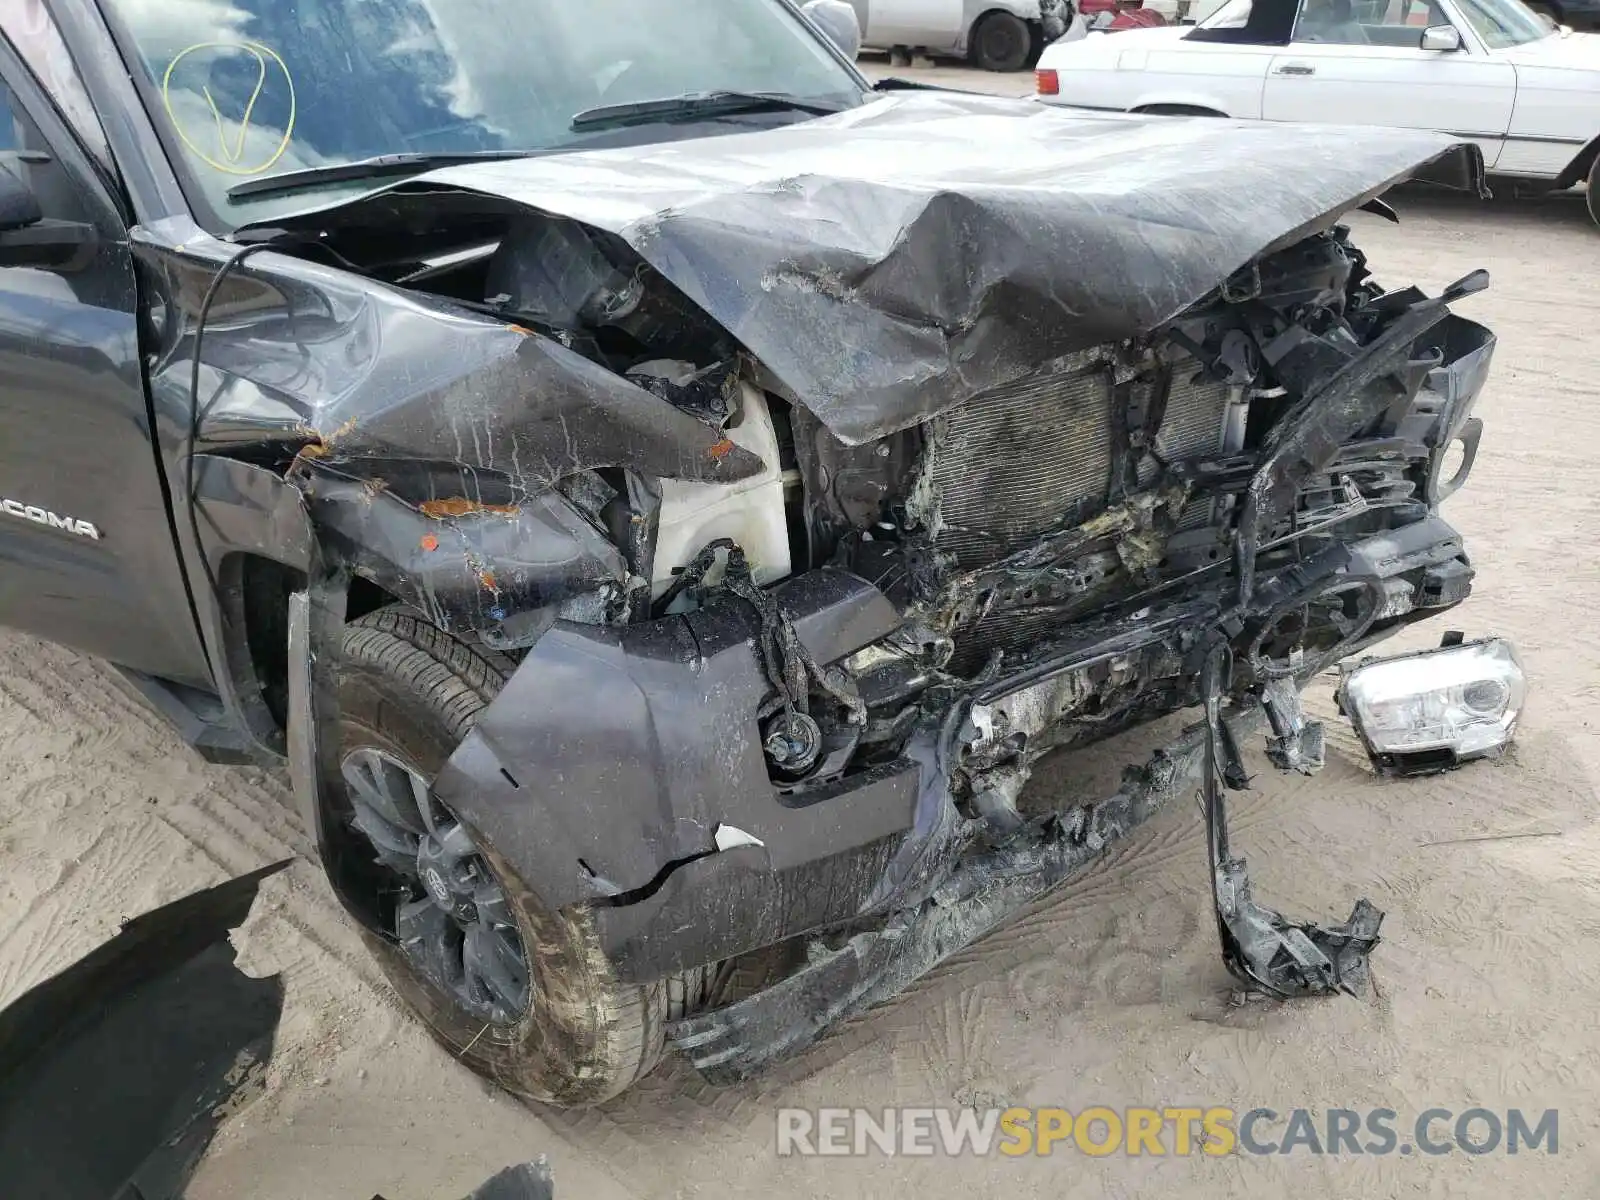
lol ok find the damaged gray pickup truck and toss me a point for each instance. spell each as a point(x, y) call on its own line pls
point(663, 503)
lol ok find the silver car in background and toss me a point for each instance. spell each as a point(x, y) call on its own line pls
point(996, 35)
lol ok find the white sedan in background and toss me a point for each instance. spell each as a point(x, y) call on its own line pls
point(1489, 71)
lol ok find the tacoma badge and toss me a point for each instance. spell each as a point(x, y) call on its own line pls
point(40, 516)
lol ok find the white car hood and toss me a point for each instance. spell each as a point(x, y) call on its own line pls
point(1576, 51)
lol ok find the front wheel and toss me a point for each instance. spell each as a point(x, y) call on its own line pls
point(1001, 41)
point(1592, 198)
point(522, 994)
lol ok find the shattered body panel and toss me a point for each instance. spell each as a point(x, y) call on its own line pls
point(1053, 408)
point(310, 356)
point(427, 438)
point(663, 567)
point(662, 747)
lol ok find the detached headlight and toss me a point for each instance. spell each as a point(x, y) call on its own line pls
point(1433, 709)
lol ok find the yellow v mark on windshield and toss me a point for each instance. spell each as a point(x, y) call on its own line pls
point(235, 153)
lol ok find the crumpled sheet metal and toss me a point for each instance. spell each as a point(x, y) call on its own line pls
point(891, 261)
point(471, 571)
point(355, 370)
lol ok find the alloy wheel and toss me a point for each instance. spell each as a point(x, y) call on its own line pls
point(452, 922)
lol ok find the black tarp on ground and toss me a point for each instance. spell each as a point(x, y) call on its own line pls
point(115, 1074)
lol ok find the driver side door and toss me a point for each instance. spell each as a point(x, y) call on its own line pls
point(87, 550)
point(1371, 70)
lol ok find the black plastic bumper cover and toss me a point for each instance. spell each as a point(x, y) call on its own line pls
point(608, 764)
point(606, 768)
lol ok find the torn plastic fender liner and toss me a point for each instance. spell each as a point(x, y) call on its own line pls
point(613, 754)
point(302, 355)
point(473, 568)
point(892, 261)
point(244, 509)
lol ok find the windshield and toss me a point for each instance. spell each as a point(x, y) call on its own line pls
point(1248, 23)
point(248, 89)
point(1235, 14)
point(1503, 23)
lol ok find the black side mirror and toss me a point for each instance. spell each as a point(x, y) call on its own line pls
point(27, 239)
point(19, 207)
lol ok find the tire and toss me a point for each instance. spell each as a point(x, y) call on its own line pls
point(1001, 41)
point(1592, 191)
point(410, 691)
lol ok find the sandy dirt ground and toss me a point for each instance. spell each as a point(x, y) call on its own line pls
point(1111, 993)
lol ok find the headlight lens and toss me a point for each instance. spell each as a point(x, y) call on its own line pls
point(1433, 709)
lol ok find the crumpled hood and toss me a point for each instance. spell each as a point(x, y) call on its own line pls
point(892, 261)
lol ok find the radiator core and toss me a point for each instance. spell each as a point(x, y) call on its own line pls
point(1034, 456)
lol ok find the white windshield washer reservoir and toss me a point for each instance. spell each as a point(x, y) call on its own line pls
point(751, 512)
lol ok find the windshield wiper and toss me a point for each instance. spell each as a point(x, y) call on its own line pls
point(377, 167)
point(698, 104)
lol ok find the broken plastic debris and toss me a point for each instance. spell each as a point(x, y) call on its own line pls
point(731, 837)
point(1262, 949)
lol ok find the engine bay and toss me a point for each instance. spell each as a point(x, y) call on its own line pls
point(1100, 493)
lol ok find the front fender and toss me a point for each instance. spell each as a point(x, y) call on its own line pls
point(498, 570)
point(318, 387)
point(304, 358)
